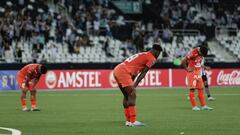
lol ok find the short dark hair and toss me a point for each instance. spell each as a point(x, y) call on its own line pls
point(204, 50)
point(157, 47)
point(205, 44)
point(43, 69)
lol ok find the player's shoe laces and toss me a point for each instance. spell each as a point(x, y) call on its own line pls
point(196, 108)
point(211, 99)
point(35, 109)
point(206, 108)
point(25, 109)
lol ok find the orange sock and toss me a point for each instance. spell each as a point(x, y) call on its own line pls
point(192, 98)
point(127, 115)
point(24, 103)
point(33, 101)
point(201, 97)
point(132, 113)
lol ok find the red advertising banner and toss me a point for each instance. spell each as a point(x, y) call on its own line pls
point(224, 77)
point(78, 79)
point(216, 77)
point(74, 79)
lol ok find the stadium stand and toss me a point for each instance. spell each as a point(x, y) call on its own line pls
point(88, 31)
point(231, 44)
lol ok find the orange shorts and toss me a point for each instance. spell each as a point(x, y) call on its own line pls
point(122, 77)
point(194, 81)
point(21, 82)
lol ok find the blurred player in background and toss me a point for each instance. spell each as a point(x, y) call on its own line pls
point(27, 79)
point(193, 65)
point(125, 73)
point(204, 76)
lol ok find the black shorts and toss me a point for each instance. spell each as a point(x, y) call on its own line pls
point(204, 78)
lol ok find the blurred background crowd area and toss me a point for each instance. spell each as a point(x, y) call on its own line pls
point(99, 31)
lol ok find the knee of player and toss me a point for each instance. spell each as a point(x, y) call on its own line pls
point(24, 90)
point(34, 91)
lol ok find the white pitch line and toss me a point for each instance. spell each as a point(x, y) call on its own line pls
point(14, 131)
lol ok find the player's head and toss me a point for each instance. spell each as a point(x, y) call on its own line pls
point(205, 44)
point(42, 69)
point(203, 51)
point(156, 50)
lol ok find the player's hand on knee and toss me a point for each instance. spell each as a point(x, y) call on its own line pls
point(24, 89)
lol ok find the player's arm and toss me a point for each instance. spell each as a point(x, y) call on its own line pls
point(28, 77)
point(185, 65)
point(141, 76)
point(33, 83)
point(27, 80)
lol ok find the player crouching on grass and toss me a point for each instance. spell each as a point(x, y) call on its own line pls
point(27, 79)
point(193, 65)
point(125, 74)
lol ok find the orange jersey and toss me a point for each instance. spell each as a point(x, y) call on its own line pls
point(136, 63)
point(195, 61)
point(30, 71)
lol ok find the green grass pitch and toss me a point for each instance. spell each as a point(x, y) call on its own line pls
point(165, 111)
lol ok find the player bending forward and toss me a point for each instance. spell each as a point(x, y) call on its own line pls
point(28, 78)
point(125, 73)
point(192, 64)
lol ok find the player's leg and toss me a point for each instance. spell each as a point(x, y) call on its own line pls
point(130, 93)
point(131, 100)
point(192, 85)
point(204, 78)
point(33, 93)
point(201, 95)
point(193, 100)
point(24, 89)
point(202, 100)
point(23, 99)
point(206, 88)
point(125, 105)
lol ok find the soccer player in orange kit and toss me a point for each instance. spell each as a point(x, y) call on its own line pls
point(193, 65)
point(27, 79)
point(125, 74)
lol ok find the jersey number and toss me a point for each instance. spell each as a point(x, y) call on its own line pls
point(132, 58)
point(194, 83)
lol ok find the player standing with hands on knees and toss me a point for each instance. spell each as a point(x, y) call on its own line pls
point(193, 65)
point(27, 79)
point(125, 74)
